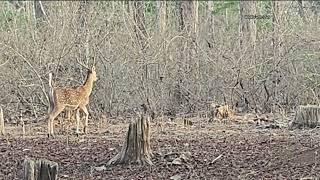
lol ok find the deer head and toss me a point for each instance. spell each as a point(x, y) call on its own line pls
point(91, 71)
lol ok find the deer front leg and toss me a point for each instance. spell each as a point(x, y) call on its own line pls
point(78, 122)
point(49, 127)
point(85, 128)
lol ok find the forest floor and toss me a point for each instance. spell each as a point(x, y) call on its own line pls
point(204, 150)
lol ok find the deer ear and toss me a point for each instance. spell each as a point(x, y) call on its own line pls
point(94, 63)
point(93, 68)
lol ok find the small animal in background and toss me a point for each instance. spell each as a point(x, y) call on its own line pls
point(70, 98)
point(225, 112)
point(222, 112)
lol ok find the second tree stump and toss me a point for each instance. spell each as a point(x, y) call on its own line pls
point(40, 169)
point(307, 116)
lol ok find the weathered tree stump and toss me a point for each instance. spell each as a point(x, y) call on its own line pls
point(306, 116)
point(136, 148)
point(41, 169)
point(1, 122)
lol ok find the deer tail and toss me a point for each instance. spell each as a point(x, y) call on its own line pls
point(51, 93)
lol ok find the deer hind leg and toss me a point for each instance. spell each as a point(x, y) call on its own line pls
point(49, 126)
point(52, 115)
point(85, 110)
point(78, 122)
point(67, 124)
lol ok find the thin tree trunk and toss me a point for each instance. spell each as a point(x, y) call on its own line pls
point(193, 47)
point(19, 5)
point(2, 131)
point(315, 8)
point(247, 40)
point(39, 12)
point(277, 19)
point(40, 15)
point(210, 23)
point(142, 36)
point(162, 16)
point(189, 18)
point(162, 25)
point(248, 29)
point(195, 18)
point(187, 48)
point(301, 11)
point(83, 30)
point(184, 28)
point(139, 19)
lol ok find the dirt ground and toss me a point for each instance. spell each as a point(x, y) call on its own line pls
point(205, 150)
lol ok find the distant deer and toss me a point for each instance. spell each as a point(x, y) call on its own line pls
point(70, 98)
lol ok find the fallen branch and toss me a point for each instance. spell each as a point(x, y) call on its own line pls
point(216, 159)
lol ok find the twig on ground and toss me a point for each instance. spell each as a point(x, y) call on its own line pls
point(216, 159)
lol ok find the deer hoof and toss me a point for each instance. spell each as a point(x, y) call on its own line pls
point(51, 136)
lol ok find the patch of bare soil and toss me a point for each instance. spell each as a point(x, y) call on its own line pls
point(201, 151)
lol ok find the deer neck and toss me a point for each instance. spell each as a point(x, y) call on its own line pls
point(88, 85)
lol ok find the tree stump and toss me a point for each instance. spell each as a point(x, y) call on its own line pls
point(1, 122)
point(41, 169)
point(306, 116)
point(136, 148)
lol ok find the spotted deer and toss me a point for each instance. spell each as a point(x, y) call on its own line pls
point(70, 99)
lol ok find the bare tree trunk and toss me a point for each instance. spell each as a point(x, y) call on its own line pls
point(195, 18)
point(162, 26)
point(188, 17)
point(277, 19)
point(2, 131)
point(139, 19)
point(190, 21)
point(83, 30)
point(301, 11)
point(40, 15)
point(142, 36)
point(40, 170)
point(210, 24)
point(315, 9)
point(193, 47)
point(136, 148)
point(162, 16)
point(39, 12)
point(19, 5)
point(247, 40)
point(187, 24)
point(248, 29)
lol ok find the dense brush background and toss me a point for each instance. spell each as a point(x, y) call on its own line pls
point(176, 56)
